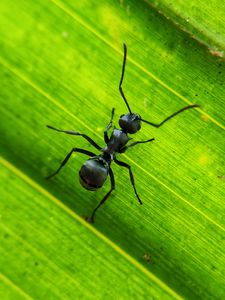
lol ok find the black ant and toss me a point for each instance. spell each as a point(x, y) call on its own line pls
point(95, 170)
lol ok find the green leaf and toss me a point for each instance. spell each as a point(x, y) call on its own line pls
point(60, 65)
point(203, 20)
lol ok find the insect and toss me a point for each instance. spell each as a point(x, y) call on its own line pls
point(96, 168)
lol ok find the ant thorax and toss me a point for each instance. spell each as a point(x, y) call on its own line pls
point(118, 140)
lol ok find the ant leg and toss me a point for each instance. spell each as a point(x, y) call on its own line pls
point(77, 133)
point(171, 116)
point(123, 149)
point(91, 218)
point(122, 75)
point(123, 164)
point(67, 158)
point(106, 138)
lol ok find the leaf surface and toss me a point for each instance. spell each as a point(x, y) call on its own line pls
point(60, 65)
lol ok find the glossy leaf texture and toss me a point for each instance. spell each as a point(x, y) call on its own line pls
point(60, 65)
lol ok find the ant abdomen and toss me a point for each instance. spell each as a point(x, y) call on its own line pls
point(93, 174)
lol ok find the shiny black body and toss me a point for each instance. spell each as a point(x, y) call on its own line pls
point(95, 170)
point(117, 142)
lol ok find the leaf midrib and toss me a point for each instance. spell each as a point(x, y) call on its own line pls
point(135, 63)
point(15, 287)
point(204, 42)
point(70, 212)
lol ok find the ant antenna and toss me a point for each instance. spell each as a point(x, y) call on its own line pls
point(171, 116)
point(122, 75)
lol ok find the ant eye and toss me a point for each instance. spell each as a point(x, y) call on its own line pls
point(136, 118)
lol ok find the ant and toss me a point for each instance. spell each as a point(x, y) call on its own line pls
point(95, 170)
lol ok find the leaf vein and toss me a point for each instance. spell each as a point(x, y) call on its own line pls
point(58, 203)
point(98, 35)
point(49, 97)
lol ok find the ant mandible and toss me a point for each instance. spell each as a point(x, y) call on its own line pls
point(95, 170)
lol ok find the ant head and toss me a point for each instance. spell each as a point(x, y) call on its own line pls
point(130, 123)
point(93, 173)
